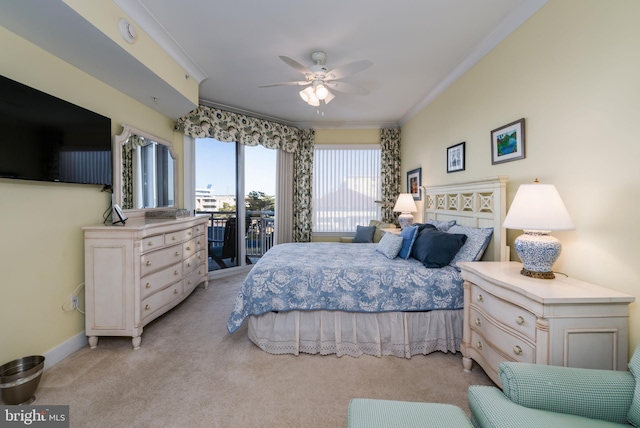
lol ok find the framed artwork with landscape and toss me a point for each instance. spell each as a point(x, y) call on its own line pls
point(414, 181)
point(455, 158)
point(507, 142)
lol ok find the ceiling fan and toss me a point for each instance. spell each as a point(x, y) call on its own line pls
point(321, 81)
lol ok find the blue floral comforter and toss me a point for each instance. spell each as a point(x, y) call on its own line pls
point(342, 277)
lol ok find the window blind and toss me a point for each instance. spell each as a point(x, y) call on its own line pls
point(346, 184)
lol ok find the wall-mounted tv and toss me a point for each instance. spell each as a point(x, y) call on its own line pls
point(45, 138)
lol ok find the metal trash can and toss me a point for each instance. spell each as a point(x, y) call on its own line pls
point(19, 379)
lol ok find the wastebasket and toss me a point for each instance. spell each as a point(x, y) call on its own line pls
point(19, 379)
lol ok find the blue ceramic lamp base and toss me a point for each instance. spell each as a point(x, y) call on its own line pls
point(538, 252)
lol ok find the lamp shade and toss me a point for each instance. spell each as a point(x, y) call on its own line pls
point(538, 207)
point(405, 204)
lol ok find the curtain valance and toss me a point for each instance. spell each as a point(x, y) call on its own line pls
point(209, 122)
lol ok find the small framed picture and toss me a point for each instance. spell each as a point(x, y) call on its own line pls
point(414, 181)
point(455, 158)
point(507, 142)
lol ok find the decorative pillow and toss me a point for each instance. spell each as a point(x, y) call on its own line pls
point(441, 225)
point(634, 411)
point(477, 242)
point(408, 235)
point(377, 235)
point(435, 248)
point(364, 234)
point(423, 226)
point(390, 245)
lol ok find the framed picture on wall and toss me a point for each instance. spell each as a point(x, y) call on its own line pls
point(414, 181)
point(455, 158)
point(507, 142)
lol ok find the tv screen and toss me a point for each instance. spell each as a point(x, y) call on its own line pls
point(48, 139)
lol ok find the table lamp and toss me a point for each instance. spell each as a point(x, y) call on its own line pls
point(538, 209)
point(405, 206)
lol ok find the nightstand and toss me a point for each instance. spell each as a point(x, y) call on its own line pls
point(561, 321)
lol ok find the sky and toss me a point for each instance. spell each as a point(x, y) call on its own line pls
point(215, 165)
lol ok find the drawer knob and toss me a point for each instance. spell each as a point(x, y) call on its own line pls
point(150, 243)
point(148, 263)
point(175, 272)
point(189, 264)
point(175, 291)
point(173, 238)
point(517, 350)
point(478, 322)
point(177, 254)
point(188, 248)
point(189, 233)
point(147, 307)
point(520, 320)
point(189, 282)
point(147, 285)
point(479, 345)
point(480, 298)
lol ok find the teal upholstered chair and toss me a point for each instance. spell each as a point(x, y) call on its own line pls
point(551, 396)
point(371, 413)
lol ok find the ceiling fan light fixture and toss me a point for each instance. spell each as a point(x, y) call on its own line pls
point(306, 94)
point(329, 97)
point(321, 92)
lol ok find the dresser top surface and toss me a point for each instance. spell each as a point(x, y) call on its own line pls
point(562, 289)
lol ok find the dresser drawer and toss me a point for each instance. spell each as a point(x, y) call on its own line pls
point(513, 346)
point(158, 301)
point(189, 248)
point(515, 317)
point(195, 278)
point(151, 243)
point(155, 260)
point(179, 236)
point(191, 262)
point(199, 229)
point(158, 280)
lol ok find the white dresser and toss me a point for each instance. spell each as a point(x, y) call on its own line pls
point(562, 321)
point(137, 272)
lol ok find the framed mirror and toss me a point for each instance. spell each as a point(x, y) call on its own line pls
point(144, 171)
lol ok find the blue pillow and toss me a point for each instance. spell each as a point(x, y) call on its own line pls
point(442, 225)
point(390, 245)
point(364, 234)
point(435, 249)
point(408, 235)
point(477, 242)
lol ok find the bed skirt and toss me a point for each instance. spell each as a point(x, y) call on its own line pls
point(402, 334)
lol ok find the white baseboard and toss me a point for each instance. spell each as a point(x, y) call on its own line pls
point(62, 351)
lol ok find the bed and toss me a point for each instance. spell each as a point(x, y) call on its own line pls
point(351, 299)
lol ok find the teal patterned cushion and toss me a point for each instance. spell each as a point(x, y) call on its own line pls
point(634, 411)
point(390, 245)
point(371, 413)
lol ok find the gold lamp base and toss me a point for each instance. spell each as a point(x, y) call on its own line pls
point(537, 275)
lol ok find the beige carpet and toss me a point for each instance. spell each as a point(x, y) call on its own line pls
point(190, 372)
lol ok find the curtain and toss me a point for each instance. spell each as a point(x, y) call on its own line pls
point(210, 122)
point(303, 176)
point(284, 198)
point(128, 148)
point(390, 170)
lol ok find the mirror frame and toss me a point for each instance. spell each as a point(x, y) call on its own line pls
point(118, 142)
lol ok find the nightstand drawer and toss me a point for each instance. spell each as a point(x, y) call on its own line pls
point(514, 348)
point(515, 317)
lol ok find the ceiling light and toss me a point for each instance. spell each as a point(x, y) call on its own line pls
point(306, 94)
point(329, 97)
point(321, 92)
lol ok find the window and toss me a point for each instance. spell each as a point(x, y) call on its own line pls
point(346, 184)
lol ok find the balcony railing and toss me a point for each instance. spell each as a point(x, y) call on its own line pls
point(222, 236)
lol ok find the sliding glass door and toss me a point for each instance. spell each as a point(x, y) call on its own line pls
point(235, 185)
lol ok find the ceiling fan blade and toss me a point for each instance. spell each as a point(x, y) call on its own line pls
point(295, 64)
point(349, 69)
point(347, 88)
point(297, 83)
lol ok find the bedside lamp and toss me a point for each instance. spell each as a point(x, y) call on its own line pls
point(405, 206)
point(537, 210)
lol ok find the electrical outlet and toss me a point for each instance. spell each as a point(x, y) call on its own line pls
point(74, 302)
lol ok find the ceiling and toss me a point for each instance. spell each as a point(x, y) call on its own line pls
point(417, 48)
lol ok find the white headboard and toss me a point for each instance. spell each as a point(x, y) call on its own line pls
point(480, 203)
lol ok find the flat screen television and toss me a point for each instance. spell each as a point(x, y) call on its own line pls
point(45, 138)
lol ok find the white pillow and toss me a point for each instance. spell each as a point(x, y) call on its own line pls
point(390, 245)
